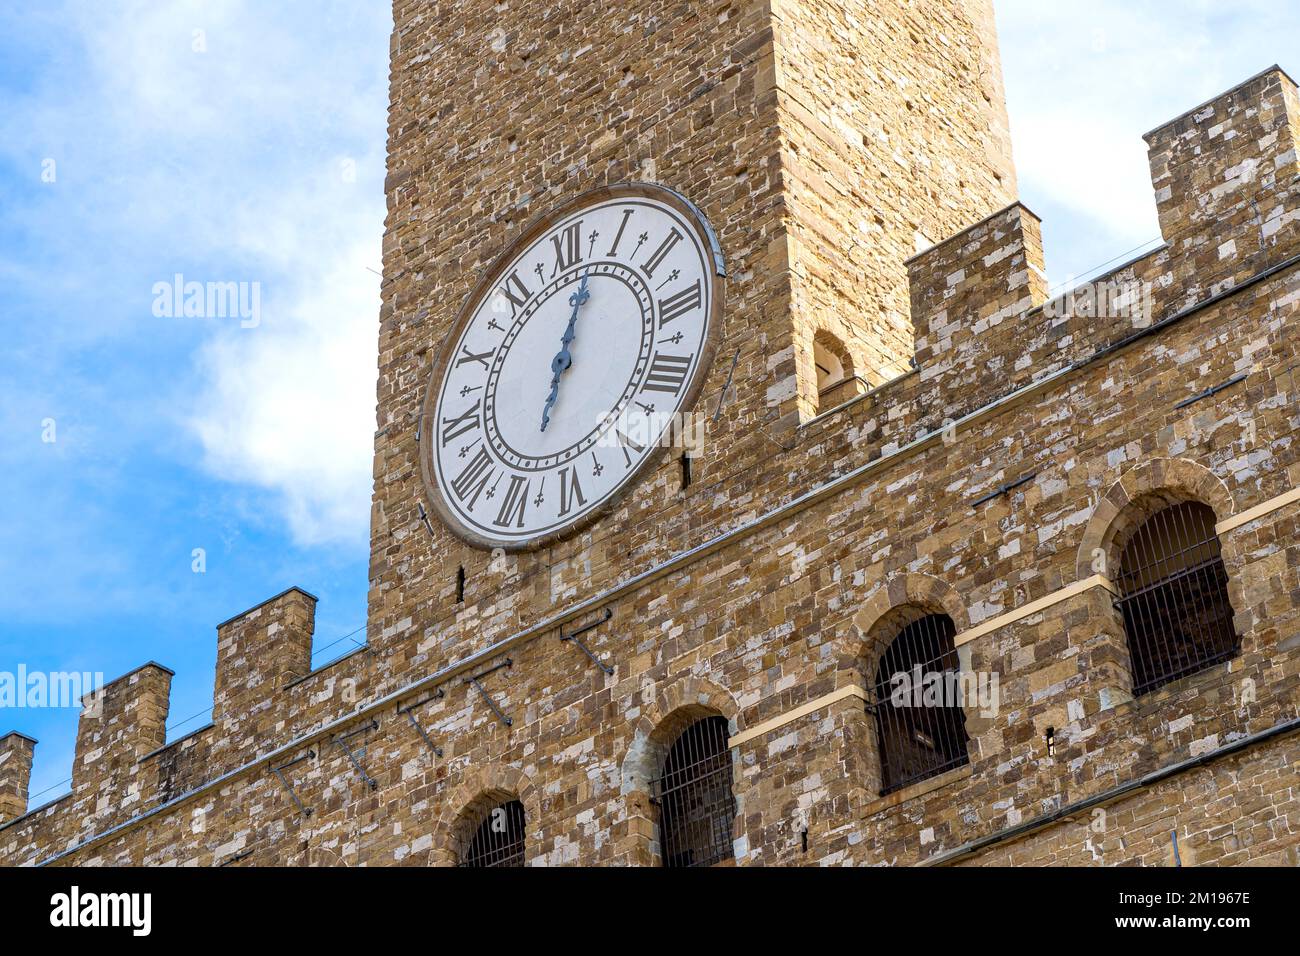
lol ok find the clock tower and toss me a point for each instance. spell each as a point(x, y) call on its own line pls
point(810, 147)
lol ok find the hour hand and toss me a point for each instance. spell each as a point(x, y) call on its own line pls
point(561, 362)
point(550, 402)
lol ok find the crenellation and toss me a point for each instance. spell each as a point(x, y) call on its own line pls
point(120, 722)
point(259, 653)
point(856, 170)
point(16, 751)
point(1227, 180)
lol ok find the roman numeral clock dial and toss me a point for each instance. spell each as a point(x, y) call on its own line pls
point(570, 365)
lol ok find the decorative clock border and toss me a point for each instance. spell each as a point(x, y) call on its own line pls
point(530, 233)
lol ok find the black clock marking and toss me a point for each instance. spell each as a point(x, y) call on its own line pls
point(453, 428)
point(516, 292)
point(570, 491)
point(660, 254)
point(481, 357)
point(568, 249)
point(474, 478)
point(667, 373)
point(613, 250)
point(680, 303)
point(512, 509)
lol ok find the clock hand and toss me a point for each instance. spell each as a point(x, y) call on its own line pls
point(564, 358)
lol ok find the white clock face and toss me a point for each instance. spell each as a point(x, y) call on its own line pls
point(572, 365)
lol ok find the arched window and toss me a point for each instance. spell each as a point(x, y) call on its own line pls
point(499, 838)
point(830, 358)
point(1174, 597)
point(696, 808)
point(836, 381)
point(917, 703)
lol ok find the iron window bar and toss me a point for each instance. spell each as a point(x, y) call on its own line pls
point(917, 736)
point(696, 807)
point(572, 637)
point(1173, 597)
point(498, 840)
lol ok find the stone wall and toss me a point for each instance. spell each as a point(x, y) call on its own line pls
point(764, 591)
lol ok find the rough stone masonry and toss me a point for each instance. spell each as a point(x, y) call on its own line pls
point(854, 160)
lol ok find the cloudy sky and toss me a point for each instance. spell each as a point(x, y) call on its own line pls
point(161, 473)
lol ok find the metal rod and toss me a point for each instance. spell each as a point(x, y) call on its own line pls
point(722, 395)
point(573, 637)
point(1211, 391)
point(490, 702)
point(437, 751)
point(279, 775)
point(1009, 486)
point(342, 743)
point(436, 695)
point(360, 769)
point(373, 725)
point(492, 670)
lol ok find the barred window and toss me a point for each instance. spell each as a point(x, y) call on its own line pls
point(696, 808)
point(499, 839)
point(916, 700)
point(1174, 597)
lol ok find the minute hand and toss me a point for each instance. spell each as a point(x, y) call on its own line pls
point(563, 358)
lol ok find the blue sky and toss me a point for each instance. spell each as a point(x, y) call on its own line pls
point(243, 142)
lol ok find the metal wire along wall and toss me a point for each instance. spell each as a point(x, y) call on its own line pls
point(499, 839)
point(915, 699)
point(696, 807)
point(1174, 597)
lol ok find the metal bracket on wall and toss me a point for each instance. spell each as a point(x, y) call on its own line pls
point(1009, 486)
point(573, 637)
point(279, 773)
point(722, 395)
point(342, 743)
point(236, 858)
point(484, 694)
point(409, 711)
point(424, 519)
point(1211, 391)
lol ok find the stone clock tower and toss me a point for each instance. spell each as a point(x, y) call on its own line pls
point(1067, 527)
point(821, 143)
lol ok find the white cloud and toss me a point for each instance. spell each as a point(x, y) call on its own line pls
point(290, 405)
point(221, 155)
point(1085, 80)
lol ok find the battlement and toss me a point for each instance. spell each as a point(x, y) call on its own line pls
point(755, 593)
